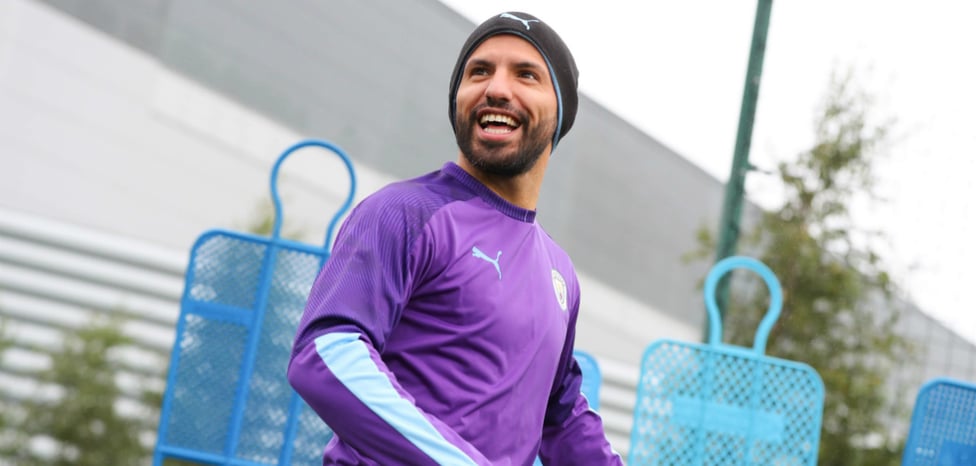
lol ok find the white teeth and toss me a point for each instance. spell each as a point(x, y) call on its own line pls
point(496, 118)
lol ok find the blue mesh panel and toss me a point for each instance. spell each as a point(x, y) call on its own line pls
point(702, 406)
point(227, 399)
point(943, 429)
point(221, 316)
point(211, 353)
point(226, 270)
point(269, 394)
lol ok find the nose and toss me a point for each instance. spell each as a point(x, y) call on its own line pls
point(499, 87)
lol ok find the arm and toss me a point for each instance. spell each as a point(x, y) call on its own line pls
point(336, 368)
point(573, 434)
point(342, 378)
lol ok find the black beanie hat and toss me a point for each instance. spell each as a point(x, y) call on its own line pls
point(562, 67)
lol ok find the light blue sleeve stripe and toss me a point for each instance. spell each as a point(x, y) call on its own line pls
point(349, 360)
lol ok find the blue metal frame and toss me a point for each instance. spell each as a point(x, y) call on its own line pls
point(234, 283)
point(943, 428)
point(722, 404)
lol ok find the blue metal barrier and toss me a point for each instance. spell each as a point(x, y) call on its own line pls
point(943, 428)
point(227, 399)
point(717, 404)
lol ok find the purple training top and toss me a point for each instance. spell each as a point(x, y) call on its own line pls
point(441, 332)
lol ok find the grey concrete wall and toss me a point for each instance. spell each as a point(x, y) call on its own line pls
point(373, 76)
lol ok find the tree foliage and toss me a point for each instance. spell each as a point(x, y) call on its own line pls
point(7, 439)
point(82, 422)
point(839, 311)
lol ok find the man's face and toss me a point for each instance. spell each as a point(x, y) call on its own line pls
point(506, 107)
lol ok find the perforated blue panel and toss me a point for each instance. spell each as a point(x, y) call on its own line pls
point(697, 405)
point(227, 399)
point(943, 428)
point(716, 404)
point(230, 401)
point(204, 382)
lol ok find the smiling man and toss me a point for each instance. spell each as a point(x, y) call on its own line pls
point(441, 330)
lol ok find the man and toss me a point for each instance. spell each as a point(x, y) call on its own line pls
point(441, 330)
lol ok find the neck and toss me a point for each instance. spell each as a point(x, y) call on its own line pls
point(522, 190)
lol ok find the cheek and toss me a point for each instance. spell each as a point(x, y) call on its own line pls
point(552, 106)
point(467, 97)
point(545, 106)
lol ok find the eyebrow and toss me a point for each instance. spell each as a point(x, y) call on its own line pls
point(531, 65)
point(479, 62)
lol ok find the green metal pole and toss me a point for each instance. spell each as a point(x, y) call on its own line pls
point(735, 188)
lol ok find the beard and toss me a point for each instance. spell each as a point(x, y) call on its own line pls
point(492, 157)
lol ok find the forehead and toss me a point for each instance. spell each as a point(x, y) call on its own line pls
point(507, 47)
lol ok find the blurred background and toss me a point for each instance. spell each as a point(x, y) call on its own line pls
point(130, 128)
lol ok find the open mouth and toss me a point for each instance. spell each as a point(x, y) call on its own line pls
point(495, 123)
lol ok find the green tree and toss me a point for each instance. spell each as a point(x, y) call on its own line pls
point(83, 421)
point(839, 311)
point(7, 440)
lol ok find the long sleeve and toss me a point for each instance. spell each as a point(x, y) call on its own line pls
point(573, 434)
point(578, 440)
point(342, 378)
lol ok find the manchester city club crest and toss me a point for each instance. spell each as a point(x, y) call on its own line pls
point(559, 286)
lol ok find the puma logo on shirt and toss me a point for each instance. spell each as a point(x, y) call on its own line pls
point(480, 255)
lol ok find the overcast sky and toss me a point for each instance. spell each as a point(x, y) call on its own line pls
point(676, 69)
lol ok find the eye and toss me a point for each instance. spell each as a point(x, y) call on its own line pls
point(527, 74)
point(478, 71)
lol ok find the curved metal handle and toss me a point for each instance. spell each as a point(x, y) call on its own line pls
point(775, 298)
point(276, 230)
